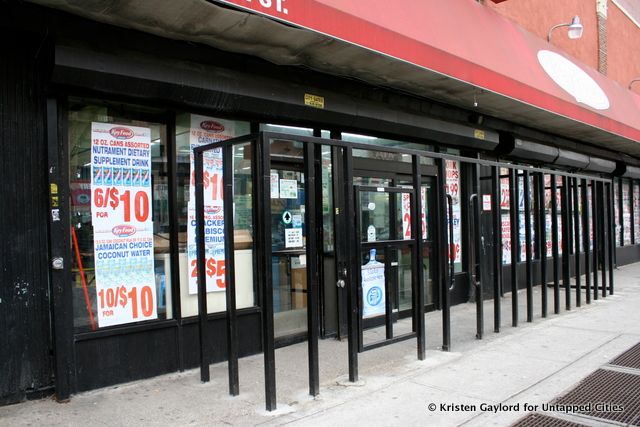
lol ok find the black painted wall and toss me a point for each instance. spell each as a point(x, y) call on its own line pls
point(25, 342)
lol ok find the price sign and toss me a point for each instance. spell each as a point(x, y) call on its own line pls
point(205, 130)
point(406, 214)
point(122, 223)
point(452, 187)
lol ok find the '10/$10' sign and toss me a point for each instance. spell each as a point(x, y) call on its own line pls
point(122, 223)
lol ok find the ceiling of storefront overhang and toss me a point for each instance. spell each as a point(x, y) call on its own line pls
point(242, 32)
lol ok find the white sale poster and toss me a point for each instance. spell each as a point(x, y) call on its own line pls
point(373, 287)
point(406, 214)
point(452, 188)
point(205, 130)
point(506, 238)
point(121, 211)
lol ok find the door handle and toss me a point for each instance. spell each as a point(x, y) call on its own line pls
point(340, 283)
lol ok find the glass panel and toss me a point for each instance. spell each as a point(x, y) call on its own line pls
point(382, 155)
point(193, 130)
point(327, 200)
point(590, 213)
point(504, 215)
point(616, 198)
point(636, 213)
point(288, 238)
point(119, 214)
point(452, 188)
point(522, 224)
point(291, 130)
point(428, 243)
point(580, 244)
point(374, 216)
point(404, 279)
point(559, 219)
point(626, 212)
point(366, 139)
point(371, 182)
point(547, 216)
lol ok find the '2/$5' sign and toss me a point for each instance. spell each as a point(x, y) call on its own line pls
point(122, 215)
point(205, 130)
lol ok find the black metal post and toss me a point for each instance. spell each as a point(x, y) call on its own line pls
point(445, 250)
point(577, 239)
point(603, 236)
point(416, 226)
point(497, 246)
point(477, 262)
point(612, 233)
point(515, 242)
point(230, 282)
point(388, 308)
point(555, 244)
point(566, 235)
point(620, 236)
point(632, 209)
point(59, 248)
point(586, 240)
point(475, 238)
point(596, 222)
point(313, 248)
point(527, 238)
point(201, 272)
point(354, 263)
point(542, 242)
point(268, 346)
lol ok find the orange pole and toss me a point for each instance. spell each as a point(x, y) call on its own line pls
point(87, 301)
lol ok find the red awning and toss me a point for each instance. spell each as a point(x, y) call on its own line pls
point(467, 42)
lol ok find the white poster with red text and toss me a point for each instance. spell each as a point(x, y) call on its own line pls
point(121, 213)
point(452, 188)
point(406, 214)
point(205, 130)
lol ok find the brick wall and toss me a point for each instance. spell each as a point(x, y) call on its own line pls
point(622, 38)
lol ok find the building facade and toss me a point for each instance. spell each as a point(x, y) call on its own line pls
point(370, 160)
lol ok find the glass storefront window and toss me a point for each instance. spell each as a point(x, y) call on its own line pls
point(453, 189)
point(193, 130)
point(616, 202)
point(636, 213)
point(382, 142)
point(119, 215)
point(505, 219)
point(626, 213)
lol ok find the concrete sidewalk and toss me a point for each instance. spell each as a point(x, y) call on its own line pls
point(485, 382)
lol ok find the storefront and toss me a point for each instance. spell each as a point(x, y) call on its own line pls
point(353, 204)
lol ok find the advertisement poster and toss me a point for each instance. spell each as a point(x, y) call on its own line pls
point(626, 213)
point(121, 212)
point(636, 212)
point(523, 238)
point(406, 215)
point(205, 130)
point(506, 238)
point(452, 188)
point(616, 203)
point(504, 193)
point(373, 301)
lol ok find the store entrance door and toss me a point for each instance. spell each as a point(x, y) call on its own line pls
point(317, 228)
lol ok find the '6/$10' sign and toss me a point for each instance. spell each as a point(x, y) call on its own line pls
point(122, 223)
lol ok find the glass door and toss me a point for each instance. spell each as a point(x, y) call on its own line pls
point(288, 238)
